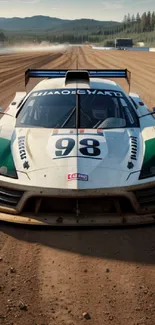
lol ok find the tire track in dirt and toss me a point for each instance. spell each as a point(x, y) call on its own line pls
point(142, 80)
point(14, 81)
point(31, 61)
point(85, 59)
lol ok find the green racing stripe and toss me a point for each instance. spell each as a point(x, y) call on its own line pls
point(148, 167)
point(6, 159)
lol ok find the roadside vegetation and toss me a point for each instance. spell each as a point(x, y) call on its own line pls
point(139, 28)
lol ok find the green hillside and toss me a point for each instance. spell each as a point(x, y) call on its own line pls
point(44, 28)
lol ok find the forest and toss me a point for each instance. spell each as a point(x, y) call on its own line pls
point(141, 28)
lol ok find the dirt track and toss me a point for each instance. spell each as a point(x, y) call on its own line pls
point(50, 277)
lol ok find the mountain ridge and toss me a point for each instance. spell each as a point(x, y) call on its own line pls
point(46, 22)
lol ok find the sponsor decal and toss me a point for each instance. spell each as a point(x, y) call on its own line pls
point(26, 165)
point(22, 152)
point(81, 131)
point(78, 177)
point(62, 132)
point(55, 131)
point(130, 165)
point(66, 92)
point(99, 131)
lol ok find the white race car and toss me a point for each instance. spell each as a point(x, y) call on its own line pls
point(77, 150)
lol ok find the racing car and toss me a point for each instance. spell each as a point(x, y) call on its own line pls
point(77, 150)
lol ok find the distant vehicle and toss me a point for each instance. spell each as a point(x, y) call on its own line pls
point(123, 43)
point(77, 150)
point(141, 44)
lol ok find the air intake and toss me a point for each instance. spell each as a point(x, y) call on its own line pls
point(75, 75)
point(9, 197)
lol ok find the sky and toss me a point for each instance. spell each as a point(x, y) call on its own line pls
point(75, 9)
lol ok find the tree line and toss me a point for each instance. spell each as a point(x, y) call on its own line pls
point(139, 27)
point(140, 24)
point(135, 24)
point(2, 37)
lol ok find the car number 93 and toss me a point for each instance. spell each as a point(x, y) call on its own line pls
point(67, 146)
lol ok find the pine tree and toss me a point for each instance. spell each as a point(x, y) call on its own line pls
point(148, 21)
point(125, 19)
point(128, 19)
point(133, 19)
point(143, 22)
point(125, 22)
point(153, 21)
point(138, 17)
point(2, 37)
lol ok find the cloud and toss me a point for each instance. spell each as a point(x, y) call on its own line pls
point(21, 1)
point(117, 4)
point(120, 4)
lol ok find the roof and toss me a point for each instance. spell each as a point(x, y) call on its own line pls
point(95, 83)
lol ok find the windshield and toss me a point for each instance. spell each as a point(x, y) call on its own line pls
point(77, 108)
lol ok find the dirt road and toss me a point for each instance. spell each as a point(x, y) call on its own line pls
point(52, 277)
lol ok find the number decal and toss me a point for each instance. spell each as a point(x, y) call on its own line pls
point(65, 146)
point(84, 145)
point(90, 147)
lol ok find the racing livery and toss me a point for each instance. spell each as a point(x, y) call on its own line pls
point(77, 150)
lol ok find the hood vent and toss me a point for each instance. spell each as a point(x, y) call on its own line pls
point(133, 144)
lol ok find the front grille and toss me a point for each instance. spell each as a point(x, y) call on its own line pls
point(9, 197)
point(146, 197)
point(77, 207)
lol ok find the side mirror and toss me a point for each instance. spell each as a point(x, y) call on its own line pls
point(1, 110)
point(153, 109)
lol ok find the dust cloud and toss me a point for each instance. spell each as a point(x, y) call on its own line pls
point(33, 47)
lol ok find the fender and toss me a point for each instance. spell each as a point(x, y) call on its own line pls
point(140, 107)
point(17, 100)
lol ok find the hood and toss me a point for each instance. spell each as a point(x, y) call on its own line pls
point(67, 158)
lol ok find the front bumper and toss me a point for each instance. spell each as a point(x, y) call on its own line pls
point(62, 207)
point(127, 220)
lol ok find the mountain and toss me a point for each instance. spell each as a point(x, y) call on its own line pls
point(35, 22)
point(51, 23)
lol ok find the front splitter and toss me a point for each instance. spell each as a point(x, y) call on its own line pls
point(70, 221)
